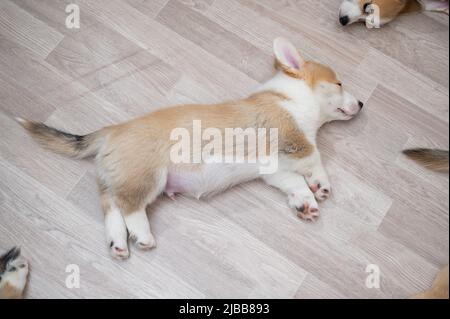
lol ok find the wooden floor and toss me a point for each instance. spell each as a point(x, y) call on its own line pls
point(131, 57)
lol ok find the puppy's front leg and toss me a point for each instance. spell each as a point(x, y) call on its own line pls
point(299, 194)
point(319, 182)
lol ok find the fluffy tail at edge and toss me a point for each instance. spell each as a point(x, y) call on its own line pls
point(60, 142)
point(435, 5)
point(436, 160)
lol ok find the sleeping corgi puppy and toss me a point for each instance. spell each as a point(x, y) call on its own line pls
point(379, 12)
point(13, 275)
point(135, 160)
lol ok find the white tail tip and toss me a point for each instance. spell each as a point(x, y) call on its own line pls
point(20, 120)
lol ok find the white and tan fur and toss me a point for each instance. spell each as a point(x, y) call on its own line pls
point(352, 11)
point(439, 289)
point(433, 159)
point(134, 166)
point(13, 275)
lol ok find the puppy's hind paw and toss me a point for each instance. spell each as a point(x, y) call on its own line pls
point(119, 252)
point(146, 244)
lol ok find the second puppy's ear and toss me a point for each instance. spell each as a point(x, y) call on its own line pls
point(287, 55)
point(11, 255)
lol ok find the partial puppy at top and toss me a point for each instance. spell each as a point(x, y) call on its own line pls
point(134, 159)
point(352, 11)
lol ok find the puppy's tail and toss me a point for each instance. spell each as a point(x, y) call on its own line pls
point(435, 5)
point(436, 160)
point(60, 142)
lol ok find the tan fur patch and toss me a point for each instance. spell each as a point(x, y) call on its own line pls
point(412, 7)
point(392, 8)
point(10, 292)
point(312, 72)
point(440, 289)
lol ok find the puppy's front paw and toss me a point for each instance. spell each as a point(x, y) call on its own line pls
point(321, 189)
point(322, 193)
point(306, 206)
point(319, 184)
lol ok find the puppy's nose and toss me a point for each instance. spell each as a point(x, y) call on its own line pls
point(344, 20)
point(361, 104)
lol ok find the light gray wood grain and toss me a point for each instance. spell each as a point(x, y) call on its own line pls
point(213, 38)
point(313, 288)
point(53, 13)
point(131, 57)
point(150, 8)
point(17, 101)
point(175, 50)
point(82, 54)
point(21, 27)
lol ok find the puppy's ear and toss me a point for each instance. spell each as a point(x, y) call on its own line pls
point(287, 55)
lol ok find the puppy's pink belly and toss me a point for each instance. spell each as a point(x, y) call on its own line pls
point(208, 180)
point(184, 182)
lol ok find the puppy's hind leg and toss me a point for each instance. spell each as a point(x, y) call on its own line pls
point(132, 201)
point(139, 228)
point(116, 230)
